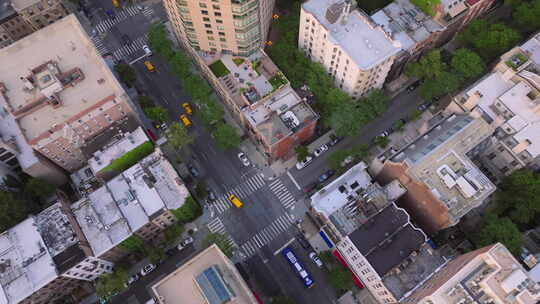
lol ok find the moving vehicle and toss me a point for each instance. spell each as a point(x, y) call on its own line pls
point(147, 269)
point(243, 158)
point(320, 150)
point(183, 244)
point(326, 175)
point(187, 108)
point(147, 50)
point(297, 267)
point(235, 201)
point(149, 66)
point(116, 3)
point(302, 164)
point(185, 120)
point(313, 256)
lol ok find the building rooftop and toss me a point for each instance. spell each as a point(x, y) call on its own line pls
point(22, 4)
point(364, 41)
point(25, 263)
point(406, 23)
point(388, 238)
point(209, 277)
point(51, 89)
point(116, 147)
point(6, 9)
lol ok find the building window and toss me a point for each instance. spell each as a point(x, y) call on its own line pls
point(204, 12)
point(203, 5)
point(206, 25)
point(206, 19)
point(219, 21)
point(217, 14)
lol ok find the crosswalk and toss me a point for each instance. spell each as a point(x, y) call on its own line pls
point(101, 48)
point(283, 194)
point(266, 235)
point(148, 11)
point(134, 46)
point(120, 16)
point(216, 226)
point(244, 189)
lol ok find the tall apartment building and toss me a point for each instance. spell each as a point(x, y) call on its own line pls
point(418, 32)
point(20, 18)
point(237, 27)
point(488, 275)
point(46, 257)
point(442, 182)
point(60, 94)
point(355, 51)
point(135, 202)
point(508, 99)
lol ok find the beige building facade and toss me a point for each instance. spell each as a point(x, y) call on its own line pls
point(356, 52)
point(237, 27)
point(40, 13)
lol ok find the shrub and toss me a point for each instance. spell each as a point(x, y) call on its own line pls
point(130, 158)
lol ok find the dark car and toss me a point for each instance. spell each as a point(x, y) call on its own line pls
point(310, 187)
point(423, 107)
point(303, 242)
point(334, 140)
point(193, 171)
point(413, 86)
point(171, 251)
point(326, 175)
point(125, 39)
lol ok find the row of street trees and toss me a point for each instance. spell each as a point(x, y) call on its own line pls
point(210, 111)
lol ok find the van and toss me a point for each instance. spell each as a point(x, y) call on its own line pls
point(235, 201)
point(116, 3)
point(185, 120)
point(149, 66)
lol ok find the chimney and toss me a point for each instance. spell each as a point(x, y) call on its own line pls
point(346, 12)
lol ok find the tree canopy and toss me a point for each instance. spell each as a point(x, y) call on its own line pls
point(111, 283)
point(188, 212)
point(301, 152)
point(526, 15)
point(126, 74)
point(489, 39)
point(226, 136)
point(178, 136)
point(467, 63)
point(429, 66)
point(221, 241)
point(427, 6)
point(157, 113)
point(12, 210)
point(519, 196)
point(40, 188)
point(502, 230)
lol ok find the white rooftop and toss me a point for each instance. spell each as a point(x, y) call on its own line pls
point(116, 148)
point(28, 264)
point(334, 196)
point(532, 47)
point(366, 43)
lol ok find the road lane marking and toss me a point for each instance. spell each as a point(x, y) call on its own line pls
point(293, 180)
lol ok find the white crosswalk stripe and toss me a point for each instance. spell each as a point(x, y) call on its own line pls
point(120, 16)
point(266, 235)
point(216, 226)
point(134, 46)
point(283, 194)
point(148, 11)
point(249, 186)
point(101, 48)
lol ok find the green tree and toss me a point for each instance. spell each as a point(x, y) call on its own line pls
point(38, 187)
point(177, 135)
point(377, 100)
point(159, 42)
point(430, 66)
point(201, 190)
point(519, 196)
point(221, 241)
point(12, 210)
point(427, 6)
point(133, 243)
point(145, 102)
point(111, 283)
point(467, 63)
point(340, 278)
point(437, 87)
point(154, 253)
point(226, 136)
point(381, 141)
point(502, 230)
point(347, 120)
point(173, 232)
point(337, 157)
point(126, 74)
point(282, 300)
point(489, 39)
point(415, 115)
point(188, 212)
point(526, 15)
point(301, 152)
point(156, 113)
point(180, 64)
point(210, 111)
point(360, 150)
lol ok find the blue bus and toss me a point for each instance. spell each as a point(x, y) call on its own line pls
point(297, 266)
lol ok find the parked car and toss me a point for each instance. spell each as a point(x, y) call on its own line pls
point(303, 242)
point(313, 256)
point(243, 158)
point(326, 175)
point(334, 140)
point(320, 150)
point(193, 170)
point(147, 269)
point(132, 279)
point(183, 244)
point(310, 187)
point(414, 85)
point(302, 164)
point(211, 194)
point(423, 106)
point(384, 134)
point(170, 252)
point(147, 50)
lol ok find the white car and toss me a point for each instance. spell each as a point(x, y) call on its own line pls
point(132, 279)
point(320, 150)
point(301, 165)
point(147, 50)
point(313, 256)
point(243, 158)
point(147, 269)
point(183, 244)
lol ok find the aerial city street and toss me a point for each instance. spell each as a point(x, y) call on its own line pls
point(269, 151)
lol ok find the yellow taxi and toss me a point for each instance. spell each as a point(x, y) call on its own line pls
point(187, 108)
point(185, 120)
point(235, 201)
